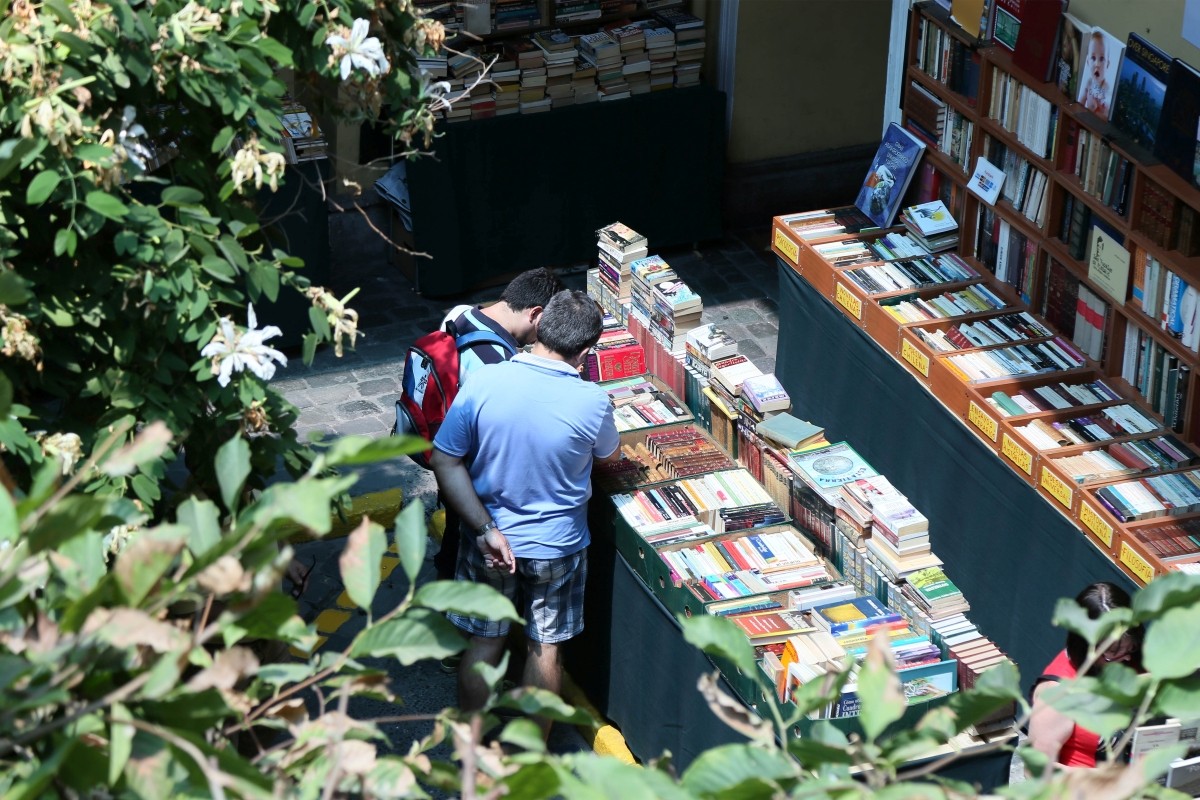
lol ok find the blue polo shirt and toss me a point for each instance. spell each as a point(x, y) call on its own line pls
point(528, 430)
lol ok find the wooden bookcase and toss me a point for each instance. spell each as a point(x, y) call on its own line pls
point(1153, 213)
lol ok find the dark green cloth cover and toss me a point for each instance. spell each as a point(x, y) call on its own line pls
point(1009, 551)
point(512, 193)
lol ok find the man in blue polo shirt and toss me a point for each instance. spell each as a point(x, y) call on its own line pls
point(514, 457)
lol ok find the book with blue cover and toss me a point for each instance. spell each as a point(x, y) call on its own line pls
point(850, 615)
point(891, 172)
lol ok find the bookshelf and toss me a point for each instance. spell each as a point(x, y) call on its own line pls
point(1072, 180)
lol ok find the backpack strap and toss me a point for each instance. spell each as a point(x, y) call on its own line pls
point(483, 337)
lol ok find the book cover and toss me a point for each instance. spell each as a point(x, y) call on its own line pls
point(891, 171)
point(986, 181)
point(1069, 64)
point(1141, 89)
point(850, 615)
point(1037, 40)
point(789, 431)
point(931, 218)
point(1006, 23)
point(1176, 140)
point(766, 393)
point(830, 467)
point(1098, 80)
point(1108, 264)
point(969, 14)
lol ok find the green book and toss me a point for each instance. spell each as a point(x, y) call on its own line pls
point(788, 431)
point(1006, 402)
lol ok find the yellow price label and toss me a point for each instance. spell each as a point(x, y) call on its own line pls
point(1137, 565)
point(1057, 489)
point(787, 247)
point(1093, 522)
point(848, 300)
point(910, 353)
point(1017, 454)
point(982, 420)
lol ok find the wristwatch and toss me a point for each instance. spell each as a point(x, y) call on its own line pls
point(490, 525)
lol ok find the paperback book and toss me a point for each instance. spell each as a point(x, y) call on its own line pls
point(1098, 81)
point(891, 171)
point(1141, 89)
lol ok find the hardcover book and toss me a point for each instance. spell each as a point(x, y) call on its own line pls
point(1098, 80)
point(788, 431)
point(1070, 54)
point(1176, 141)
point(1141, 88)
point(1029, 29)
point(891, 171)
point(1108, 264)
point(830, 467)
point(766, 393)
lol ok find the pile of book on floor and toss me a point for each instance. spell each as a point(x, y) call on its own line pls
point(931, 225)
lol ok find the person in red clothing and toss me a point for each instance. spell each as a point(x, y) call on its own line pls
point(1055, 734)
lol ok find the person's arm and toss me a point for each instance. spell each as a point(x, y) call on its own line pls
point(1049, 729)
point(608, 440)
point(454, 482)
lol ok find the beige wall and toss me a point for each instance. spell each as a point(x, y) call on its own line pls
point(809, 76)
point(1159, 21)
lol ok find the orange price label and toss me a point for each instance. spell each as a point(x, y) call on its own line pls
point(910, 353)
point(1094, 523)
point(1137, 565)
point(787, 247)
point(982, 420)
point(1017, 454)
point(1057, 489)
point(848, 300)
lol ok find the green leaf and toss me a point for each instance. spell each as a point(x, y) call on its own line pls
point(1179, 698)
point(524, 733)
point(72, 516)
point(149, 445)
point(202, 520)
point(42, 186)
point(881, 697)
point(308, 504)
point(275, 50)
point(181, 196)
point(349, 451)
point(320, 324)
point(93, 152)
point(9, 524)
point(1165, 592)
point(223, 139)
point(218, 268)
point(120, 742)
point(720, 637)
point(1074, 617)
point(106, 205)
point(146, 559)
point(65, 241)
point(468, 599)
point(233, 467)
point(14, 290)
point(309, 348)
point(1165, 653)
point(1080, 700)
point(12, 151)
point(718, 771)
point(543, 703)
point(33, 786)
point(359, 562)
point(420, 634)
point(410, 538)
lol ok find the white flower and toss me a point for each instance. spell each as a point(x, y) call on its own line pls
point(233, 350)
point(130, 139)
point(359, 50)
point(67, 448)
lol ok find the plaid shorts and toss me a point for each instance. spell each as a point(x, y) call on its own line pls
point(547, 591)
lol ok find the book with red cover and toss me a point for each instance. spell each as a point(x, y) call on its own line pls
point(1029, 28)
point(769, 626)
point(623, 361)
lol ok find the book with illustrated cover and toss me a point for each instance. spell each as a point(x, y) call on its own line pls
point(1176, 141)
point(986, 181)
point(1141, 89)
point(766, 393)
point(931, 218)
point(830, 467)
point(891, 171)
point(1069, 63)
point(621, 237)
point(849, 615)
point(1098, 80)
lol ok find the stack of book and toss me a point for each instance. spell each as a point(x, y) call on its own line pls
point(576, 10)
point(931, 225)
point(963, 642)
point(915, 273)
point(583, 81)
point(635, 62)
point(603, 54)
point(706, 344)
point(640, 403)
point(899, 532)
point(616, 355)
point(689, 44)
point(617, 247)
point(825, 469)
point(514, 15)
point(935, 594)
point(660, 49)
point(725, 501)
point(828, 222)
point(676, 313)
point(727, 375)
point(766, 394)
point(1171, 494)
point(559, 55)
point(302, 137)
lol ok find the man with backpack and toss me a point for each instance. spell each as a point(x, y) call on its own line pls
point(514, 458)
point(438, 365)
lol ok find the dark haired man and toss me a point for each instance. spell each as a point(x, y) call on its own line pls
point(514, 318)
point(514, 458)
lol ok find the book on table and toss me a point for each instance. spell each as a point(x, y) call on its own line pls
point(789, 431)
point(766, 393)
point(859, 613)
point(931, 218)
point(891, 172)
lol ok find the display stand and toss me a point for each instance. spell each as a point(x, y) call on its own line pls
point(1013, 553)
point(502, 195)
point(632, 661)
